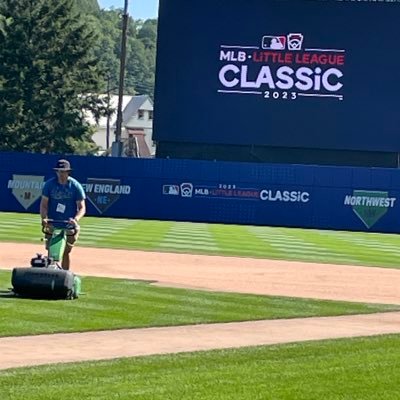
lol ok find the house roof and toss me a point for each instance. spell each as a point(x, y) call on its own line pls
point(130, 106)
point(133, 106)
point(114, 105)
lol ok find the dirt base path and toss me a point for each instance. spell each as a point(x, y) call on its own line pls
point(244, 275)
point(45, 349)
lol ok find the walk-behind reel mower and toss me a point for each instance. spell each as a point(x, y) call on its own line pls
point(45, 278)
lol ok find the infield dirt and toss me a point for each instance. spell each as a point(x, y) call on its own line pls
point(215, 273)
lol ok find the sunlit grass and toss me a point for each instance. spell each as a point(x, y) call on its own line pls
point(338, 247)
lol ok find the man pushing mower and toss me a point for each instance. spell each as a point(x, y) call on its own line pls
point(61, 207)
point(63, 199)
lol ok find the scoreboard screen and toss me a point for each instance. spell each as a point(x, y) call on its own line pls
point(305, 73)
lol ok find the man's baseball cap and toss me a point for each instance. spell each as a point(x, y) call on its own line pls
point(62, 165)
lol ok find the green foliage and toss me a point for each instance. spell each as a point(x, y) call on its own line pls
point(140, 57)
point(84, 145)
point(4, 22)
point(87, 6)
point(56, 56)
point(147, 33)
point(107, 47)
point(49, 75)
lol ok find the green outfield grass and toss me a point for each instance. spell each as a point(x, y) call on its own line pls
point(351, 369)
point(358, 248)
point(117, 303)
point(355, 369)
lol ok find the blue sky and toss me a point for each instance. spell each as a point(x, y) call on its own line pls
point(138, 9)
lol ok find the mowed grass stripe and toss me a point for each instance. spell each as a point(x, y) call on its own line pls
point(351, 369)
point(376, 246)
point(187, 247)
point(285, 242)
point(142, 235)
point(364, 248)
point(189, 237)
point(299, 248)
point(337, 247)
point(16, 224)
point(117, 304)
point(345, 248)
point(388, 241)
point(357, 248)
point(275, 246)
point(237, 240)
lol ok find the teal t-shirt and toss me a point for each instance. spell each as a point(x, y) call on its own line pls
point(63, 198)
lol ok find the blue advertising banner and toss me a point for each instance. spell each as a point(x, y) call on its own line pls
point(305, 74)
point(364, 199)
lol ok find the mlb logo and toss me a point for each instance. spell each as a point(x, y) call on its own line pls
point(274, 42)
point(295, 41)
point(172, 190)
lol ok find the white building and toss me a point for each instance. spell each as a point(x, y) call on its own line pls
point(137, 126)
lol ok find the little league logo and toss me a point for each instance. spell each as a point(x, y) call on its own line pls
point(369, 206)
point(295, 41)
point(186, 189)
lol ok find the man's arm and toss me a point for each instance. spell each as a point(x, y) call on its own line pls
point(44, 208)
point(81, 210)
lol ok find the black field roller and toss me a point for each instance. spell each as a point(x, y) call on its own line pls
point(44, 283)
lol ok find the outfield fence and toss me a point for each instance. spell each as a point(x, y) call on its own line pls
point(323, 197)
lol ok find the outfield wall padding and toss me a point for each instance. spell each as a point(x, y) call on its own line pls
point(324, 197)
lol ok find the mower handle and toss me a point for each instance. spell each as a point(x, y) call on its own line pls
point(57, 221)
point(69, 231)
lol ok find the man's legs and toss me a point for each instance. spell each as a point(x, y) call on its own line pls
point(66, 261)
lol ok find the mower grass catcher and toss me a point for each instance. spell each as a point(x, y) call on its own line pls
point(46, 279)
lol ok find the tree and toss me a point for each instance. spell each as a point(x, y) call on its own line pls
point(3, 23)
point(49, 77)
point(147, 33)
point(147, 36)
point(107, 48)
point(88, 6)
point(141, 50)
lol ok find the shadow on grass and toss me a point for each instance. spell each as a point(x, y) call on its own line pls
point(7, 294)
point(10, 294)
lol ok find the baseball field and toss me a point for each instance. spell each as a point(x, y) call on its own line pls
point(175, 310)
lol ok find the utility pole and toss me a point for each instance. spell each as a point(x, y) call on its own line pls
point(118, 131)
point(108, 113)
